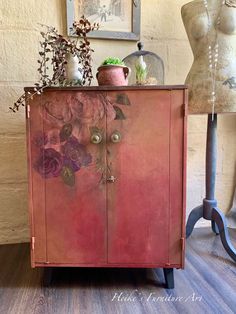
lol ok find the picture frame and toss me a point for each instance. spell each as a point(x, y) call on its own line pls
point(118, 19)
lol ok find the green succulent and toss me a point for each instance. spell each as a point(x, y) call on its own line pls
point(113, 61)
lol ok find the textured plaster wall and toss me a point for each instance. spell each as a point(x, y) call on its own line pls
point(162, 32)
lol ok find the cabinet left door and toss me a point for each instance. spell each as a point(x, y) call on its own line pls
point(66, 178)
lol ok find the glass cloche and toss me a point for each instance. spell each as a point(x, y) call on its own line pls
point(147, 68)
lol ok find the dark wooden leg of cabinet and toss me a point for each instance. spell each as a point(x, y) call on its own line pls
point(169, 278)
point(47, 276)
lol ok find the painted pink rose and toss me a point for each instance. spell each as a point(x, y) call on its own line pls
point(91, 108)
point(58, 111)
point(87, 110)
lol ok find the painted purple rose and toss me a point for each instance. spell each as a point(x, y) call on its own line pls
point(67, 162)
point(76, 152)
point(49, 163)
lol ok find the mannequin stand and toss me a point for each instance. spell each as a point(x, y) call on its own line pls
point(208, 210)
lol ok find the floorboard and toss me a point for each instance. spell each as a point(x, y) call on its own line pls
point(207, 285)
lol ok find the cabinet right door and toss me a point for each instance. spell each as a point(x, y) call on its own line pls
point(145, 201)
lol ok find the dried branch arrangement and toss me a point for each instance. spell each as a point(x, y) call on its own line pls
point(81, 29)
point(54, 49)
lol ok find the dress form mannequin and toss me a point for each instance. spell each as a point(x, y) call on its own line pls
point(200, 37)
point(206, 28)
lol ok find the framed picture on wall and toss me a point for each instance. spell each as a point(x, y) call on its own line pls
point(118, 19)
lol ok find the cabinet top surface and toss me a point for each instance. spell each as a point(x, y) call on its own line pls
point(113, 88)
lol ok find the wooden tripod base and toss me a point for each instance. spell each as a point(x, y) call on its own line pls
point(209, 210)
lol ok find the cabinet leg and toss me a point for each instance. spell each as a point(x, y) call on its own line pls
point(169, 278)
point(47, 276)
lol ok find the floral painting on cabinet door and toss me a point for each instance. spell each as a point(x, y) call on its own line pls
point(63, 146)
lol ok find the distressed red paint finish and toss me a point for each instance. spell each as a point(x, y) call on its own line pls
point(78, 217)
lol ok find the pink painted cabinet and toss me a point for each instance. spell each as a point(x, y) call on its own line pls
point(107, 176)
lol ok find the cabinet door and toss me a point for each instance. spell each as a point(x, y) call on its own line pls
point(139, 209)
point(69, 195)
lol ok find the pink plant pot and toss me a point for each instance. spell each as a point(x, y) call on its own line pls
point(113, 75)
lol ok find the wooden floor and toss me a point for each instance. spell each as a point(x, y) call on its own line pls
point(207, 285)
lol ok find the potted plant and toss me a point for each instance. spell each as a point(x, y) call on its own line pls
point(113, 72)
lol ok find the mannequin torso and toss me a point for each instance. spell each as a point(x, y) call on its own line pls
point(200, 36)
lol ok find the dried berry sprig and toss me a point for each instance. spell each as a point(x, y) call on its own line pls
point(54, 48)
point(26, 96)
point(57, 47)
point(81, 29)
point(38, 89)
